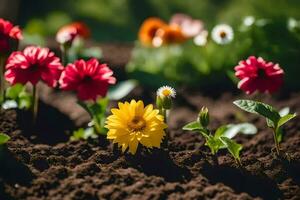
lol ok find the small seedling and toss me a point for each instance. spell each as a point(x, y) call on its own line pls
point(16, 96)
point(222, 138)
point(275, 120)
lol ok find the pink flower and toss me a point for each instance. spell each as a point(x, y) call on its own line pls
point(258, 74)
point(89, 78)
point(190, 27)
point(8, 32)
point(33, 64)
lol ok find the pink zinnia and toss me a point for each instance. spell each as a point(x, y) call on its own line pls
point(257, 74)
point(89, 78)
point(8, 32)
point(33, 64)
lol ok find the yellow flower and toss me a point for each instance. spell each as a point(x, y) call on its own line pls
point(132, 123)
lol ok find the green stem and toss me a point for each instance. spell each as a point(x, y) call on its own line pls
point(2, 80)
point(164, 113)
point(64, 54)
point(276, 143)
point(238, 162)
point(35, 103)
point(97, 126)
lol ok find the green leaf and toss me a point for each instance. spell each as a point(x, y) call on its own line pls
point(214, 144)
point(270, 123)
point(244, 128)
point(220, 131)
point(18, 94)
point(193, 126)
point(259, 108)
point(122, 89)
point(3, 138)
point(14, 91)
point(83, 134)
point(97, 112)
point(285, 119)
point(233, 147)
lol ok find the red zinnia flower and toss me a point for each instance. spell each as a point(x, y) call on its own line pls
point(69, 32)
point(89, 78)
point(33, 64)
point(257, 74)
point(8, 32)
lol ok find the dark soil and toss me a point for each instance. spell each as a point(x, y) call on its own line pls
point(40, 163)
point(39, 167)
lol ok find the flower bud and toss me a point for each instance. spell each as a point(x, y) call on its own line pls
point(159, 102)
point(164, 97)
point(203, 117)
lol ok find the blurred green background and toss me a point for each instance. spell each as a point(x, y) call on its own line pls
point(119, 20)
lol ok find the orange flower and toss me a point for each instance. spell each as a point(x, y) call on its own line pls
point(149, 29)
point(83, 29)
point(68, 32)
point(169, 34)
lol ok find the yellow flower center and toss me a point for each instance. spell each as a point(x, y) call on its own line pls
point(137, 124)
point(166, 92)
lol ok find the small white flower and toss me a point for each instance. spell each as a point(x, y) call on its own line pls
point(249, 21)
point(201, 39)
point(166, 91)
point(222, 34)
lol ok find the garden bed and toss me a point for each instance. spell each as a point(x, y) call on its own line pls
point(45, 165)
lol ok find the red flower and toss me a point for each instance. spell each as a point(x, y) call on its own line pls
point(33, 64)
point(257, 74)
point(89, 78)
point(69, 32)
point(8, 32)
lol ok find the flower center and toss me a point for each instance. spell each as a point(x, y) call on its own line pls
point(87, 79)
point(34, 67)
point(223, 34)
point(137, 124)
point(261, 73)
point(166, 92)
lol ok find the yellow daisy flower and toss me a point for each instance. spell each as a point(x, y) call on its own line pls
point(132, 123)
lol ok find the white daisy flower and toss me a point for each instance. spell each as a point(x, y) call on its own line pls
point(166, 91)
point(222, 34)
point(201, 39)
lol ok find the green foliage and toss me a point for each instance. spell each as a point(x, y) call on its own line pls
point(193, 126)
point(259, 108)
point(97, 112)
point(84, 134)
point(233, 147)
point(3, 138)
point(275, 119)
point(222, 138)
point(16, 96)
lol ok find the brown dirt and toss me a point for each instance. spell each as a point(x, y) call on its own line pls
point(47, 166)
